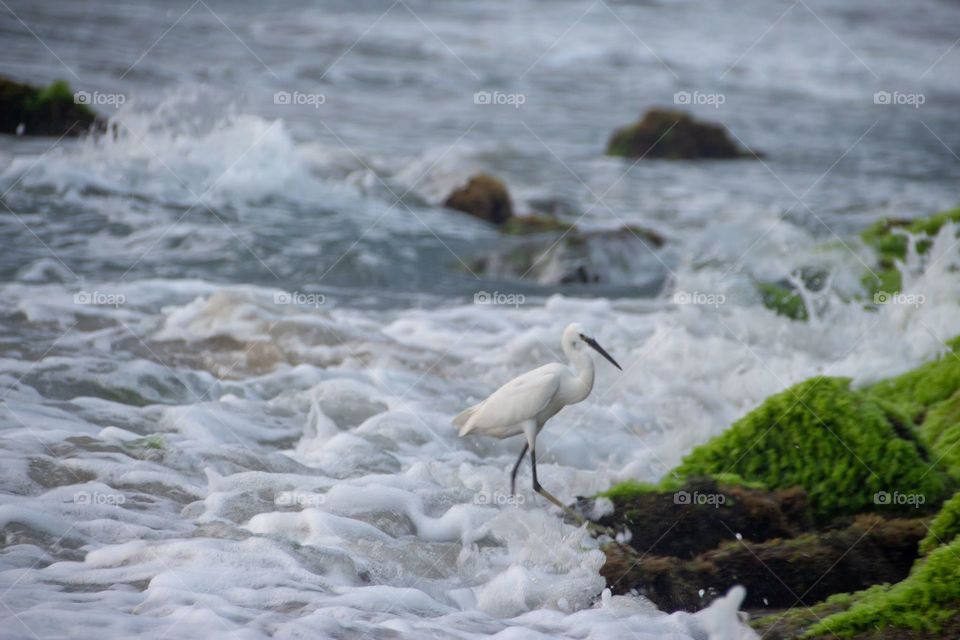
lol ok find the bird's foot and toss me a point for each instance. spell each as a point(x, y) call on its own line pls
point(593, 527)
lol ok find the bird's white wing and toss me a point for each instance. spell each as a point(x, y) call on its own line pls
point(518, 400)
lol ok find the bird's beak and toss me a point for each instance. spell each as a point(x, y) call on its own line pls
point(601, 351)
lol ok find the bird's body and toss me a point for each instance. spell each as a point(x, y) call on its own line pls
point(523, 405)
point(537, 395)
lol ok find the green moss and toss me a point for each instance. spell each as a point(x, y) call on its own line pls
point(924, 601)
point(887, 238)
point(51, 110)
point(58, 91)
point(790, 623)
point(882, 280)
point(629, 489)
point(941, 431)
point(945, 527)
point(841, 446)
point(918, 389)
point(783, 300)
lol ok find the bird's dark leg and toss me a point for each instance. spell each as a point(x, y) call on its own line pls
point(513, 474)
point(546, 494)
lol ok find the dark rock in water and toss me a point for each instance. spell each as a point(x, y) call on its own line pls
point(690, 545)
point(675, 135)
point(52, 111)
point(776, 572)
point(484, 197)
point(553, 252)
point(703, 514)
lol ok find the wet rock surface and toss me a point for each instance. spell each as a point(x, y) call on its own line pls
point(485, 197)
point(689, 546)
point(49, 111)
point(674, 135)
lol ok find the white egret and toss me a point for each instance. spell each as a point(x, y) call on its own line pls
point(524, 404)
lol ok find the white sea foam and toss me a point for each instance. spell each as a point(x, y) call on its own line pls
point(339, 491)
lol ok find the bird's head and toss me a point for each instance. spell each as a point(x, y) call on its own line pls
point(576, 336)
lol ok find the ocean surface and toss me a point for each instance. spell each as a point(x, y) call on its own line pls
point(234, 332)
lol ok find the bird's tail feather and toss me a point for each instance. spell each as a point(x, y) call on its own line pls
point(463, 418)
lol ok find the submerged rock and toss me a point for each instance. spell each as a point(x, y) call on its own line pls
point(562, 254)
point(663, 133)
point(51, 111)
point(546, 247)
point(485, 197)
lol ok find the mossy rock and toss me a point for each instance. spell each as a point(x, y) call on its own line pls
point(792, 623)
point(887, 237)
point(485, 197)
point(783, 300)
point(841, 446)
point(49, 111)
point(945, 527)
point(926, 602)
point(917, 390)
point(674, 135)
point(941, 431)
point(631, 489)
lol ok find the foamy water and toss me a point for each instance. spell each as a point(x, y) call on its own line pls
point(233, 336)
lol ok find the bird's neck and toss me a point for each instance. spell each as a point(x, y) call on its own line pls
point(583, 369)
